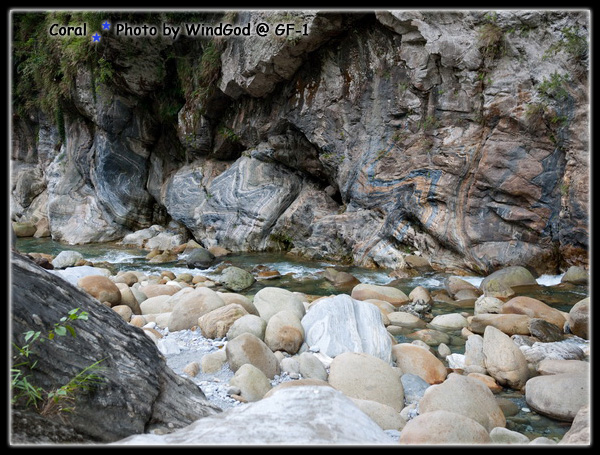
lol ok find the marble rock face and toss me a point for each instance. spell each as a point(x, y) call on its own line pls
point(371, 132)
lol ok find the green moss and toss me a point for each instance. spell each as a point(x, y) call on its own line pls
point(283, 240)
point(45, 66)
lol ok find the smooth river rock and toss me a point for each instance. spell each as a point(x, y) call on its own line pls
point(293, 415)
point(559, 396)
point(466, 396)
point(342, 324)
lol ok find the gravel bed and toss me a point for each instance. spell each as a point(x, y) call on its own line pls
point(183, 347)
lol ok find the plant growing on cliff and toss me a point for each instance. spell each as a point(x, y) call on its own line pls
point(62, 398)
point(491, 38)
point(573, 42)
point(44, 67)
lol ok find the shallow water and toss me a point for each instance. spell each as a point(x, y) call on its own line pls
point(301, 275)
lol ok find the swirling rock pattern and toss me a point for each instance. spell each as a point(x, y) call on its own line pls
point(374, 134)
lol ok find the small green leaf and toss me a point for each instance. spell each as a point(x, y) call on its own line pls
point(60, 331)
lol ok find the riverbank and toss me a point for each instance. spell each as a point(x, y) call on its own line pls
point(447, 324)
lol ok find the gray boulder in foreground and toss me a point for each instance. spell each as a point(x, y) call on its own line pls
point(293, 415)
point(139, 391)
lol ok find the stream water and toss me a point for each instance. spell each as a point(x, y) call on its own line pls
point(306, 276)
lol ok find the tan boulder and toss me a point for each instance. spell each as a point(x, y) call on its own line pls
point(363, 376)
point(533, 308)
point(152, 290)
point(284, 332)
point(247, 348)
point(217, 322)
point(511, 324)
point(579, 318)
point(102, 288)
point(387, 293)
point(466, 396)
point(416, 360)
point(190, 304)
point(443, 427)
point(503, 359)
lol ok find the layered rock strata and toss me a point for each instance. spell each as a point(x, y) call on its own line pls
point(461, 134)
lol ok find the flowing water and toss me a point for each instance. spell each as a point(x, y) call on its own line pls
point(306, 276)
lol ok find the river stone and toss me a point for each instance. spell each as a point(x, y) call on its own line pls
point(271, 300)
point(101, 288)
point(217, 322)
point(504, 361)
point(420, 293)
point(383, 415)
point(511, 276)
point(575, 275)
point(152, 290)
point(385, 307)
point(66, 259)
point(500, 435)
point(247, 348)
point(580, 431)
point(579, 318)
point(474, 358)
point(138, 238)
point(190, 304)
point(128, 298)
point(284, 332)
point(155, 305)
point(24, 229)
point(363, 376)
point(387, 293)
point(309, 366)
point(199, 258)
point(558, 396)
point(292, 415)
point(488, 304)
point(489, 381)
point(454, 284)
point(431, 337)
point(544, 330)
point(341, 324)
point(213, 361)
point(128, 278)
point(567, 349)
point(443, 427)
point(124, 311)
point(251, 381)
point(165, 256)
point(298, 383)
point(554, 366)
point(232, 297)
point(73, 274)
point(497, 289)
point(249, 323)
point(165, 241)
point(414, 387)
point(451, 321)
point(290, 365)
point(236, 279)
point(417, 360)
point(534, 309)
point(466, 396)
point(510, 324)
point(340, 278)
point(404, 319)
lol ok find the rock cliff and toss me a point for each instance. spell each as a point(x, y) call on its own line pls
point(461, 134)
